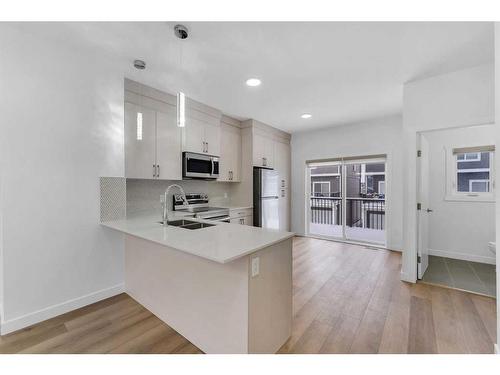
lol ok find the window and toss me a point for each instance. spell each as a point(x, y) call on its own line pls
point(321, 188)
point(381, 187)
point(471, 174)
point(482, 186)
point(470, 156)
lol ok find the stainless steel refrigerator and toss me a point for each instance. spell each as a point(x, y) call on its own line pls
point(266, 198)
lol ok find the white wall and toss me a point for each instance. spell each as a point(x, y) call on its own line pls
point(497, 161)
point(458, 230)
point(380, 136)
point(461, 98)
point(62, 128)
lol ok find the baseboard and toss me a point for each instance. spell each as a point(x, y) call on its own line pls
point(469, 257)
point(61, 308)
point(406, 277)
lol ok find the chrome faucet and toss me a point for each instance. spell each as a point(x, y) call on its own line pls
point(164, 202)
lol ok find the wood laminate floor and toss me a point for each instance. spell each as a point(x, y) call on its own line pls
point(347, 299)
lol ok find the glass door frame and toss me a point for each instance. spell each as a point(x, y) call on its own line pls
point(343, 163)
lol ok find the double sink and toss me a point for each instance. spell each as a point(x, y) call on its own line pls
point(188, 224)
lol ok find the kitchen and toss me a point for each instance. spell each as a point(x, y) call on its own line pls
point(215, 188)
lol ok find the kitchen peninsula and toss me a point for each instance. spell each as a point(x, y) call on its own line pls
point(227, 288)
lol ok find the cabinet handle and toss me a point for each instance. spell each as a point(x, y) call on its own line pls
point(154, 170)
point(203, 146)
point(207, 147)
point(158, 170)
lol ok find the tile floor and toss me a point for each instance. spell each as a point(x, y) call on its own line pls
point(461, 274)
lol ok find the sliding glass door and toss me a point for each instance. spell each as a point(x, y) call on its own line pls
point(347, 200)
point(325, 202)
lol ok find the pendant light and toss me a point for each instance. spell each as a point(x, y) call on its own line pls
point(181, 32)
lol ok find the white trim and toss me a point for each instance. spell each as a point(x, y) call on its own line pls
point(58, 309)
point(462, 256)
point(473, 170)
point(406, 277)
point(451, 173)
point(326, 175)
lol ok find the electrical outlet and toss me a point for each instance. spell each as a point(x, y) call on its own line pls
point(255, 266)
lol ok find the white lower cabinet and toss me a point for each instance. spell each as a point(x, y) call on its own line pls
point(242, 216)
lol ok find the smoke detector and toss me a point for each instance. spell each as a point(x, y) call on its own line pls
point(139, 64)
point(181, 31)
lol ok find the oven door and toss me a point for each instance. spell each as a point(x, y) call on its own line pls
point(223, 219)
point(197, 166)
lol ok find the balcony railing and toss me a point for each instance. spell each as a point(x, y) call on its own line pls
point(360, 212)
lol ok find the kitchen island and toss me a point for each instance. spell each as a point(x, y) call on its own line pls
point(227, 288)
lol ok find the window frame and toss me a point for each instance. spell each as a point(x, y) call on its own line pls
point(322, 182)
point(452, 171)
point(477, 158)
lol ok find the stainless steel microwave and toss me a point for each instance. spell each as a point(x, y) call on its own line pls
point(200, 166)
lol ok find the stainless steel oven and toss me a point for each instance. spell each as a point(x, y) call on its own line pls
point(200, 166)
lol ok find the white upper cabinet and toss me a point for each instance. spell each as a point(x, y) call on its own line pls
point(168, 145)
point(263, 149)
point(152, 138)
point(194, 136)
point(140, 141)
point(230, 153)
point(201, 133)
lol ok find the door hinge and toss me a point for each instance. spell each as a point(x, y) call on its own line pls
point(419, 153)
point(419, 206)
point(419, 259)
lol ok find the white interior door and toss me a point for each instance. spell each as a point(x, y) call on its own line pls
point(425, 210)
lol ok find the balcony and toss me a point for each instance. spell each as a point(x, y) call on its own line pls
point(365, 218)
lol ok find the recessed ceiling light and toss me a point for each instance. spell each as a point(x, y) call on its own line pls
point(306, 115)
point(253, 82)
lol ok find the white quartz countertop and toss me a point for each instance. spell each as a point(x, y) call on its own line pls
point(220, 243)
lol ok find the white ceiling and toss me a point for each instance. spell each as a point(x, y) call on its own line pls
point(340, 72)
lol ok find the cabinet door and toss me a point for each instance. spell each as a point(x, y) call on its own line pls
point(212, 139)
point(263, 150)
point(140, 141)
point(225, 162)
point(282, 166)
point(269, 151)
point(236, 156)
point(259, 150)
point(168, 145)
point(230, 153)
point(194, 136)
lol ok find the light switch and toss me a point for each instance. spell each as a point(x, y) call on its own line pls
point(255, 266)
